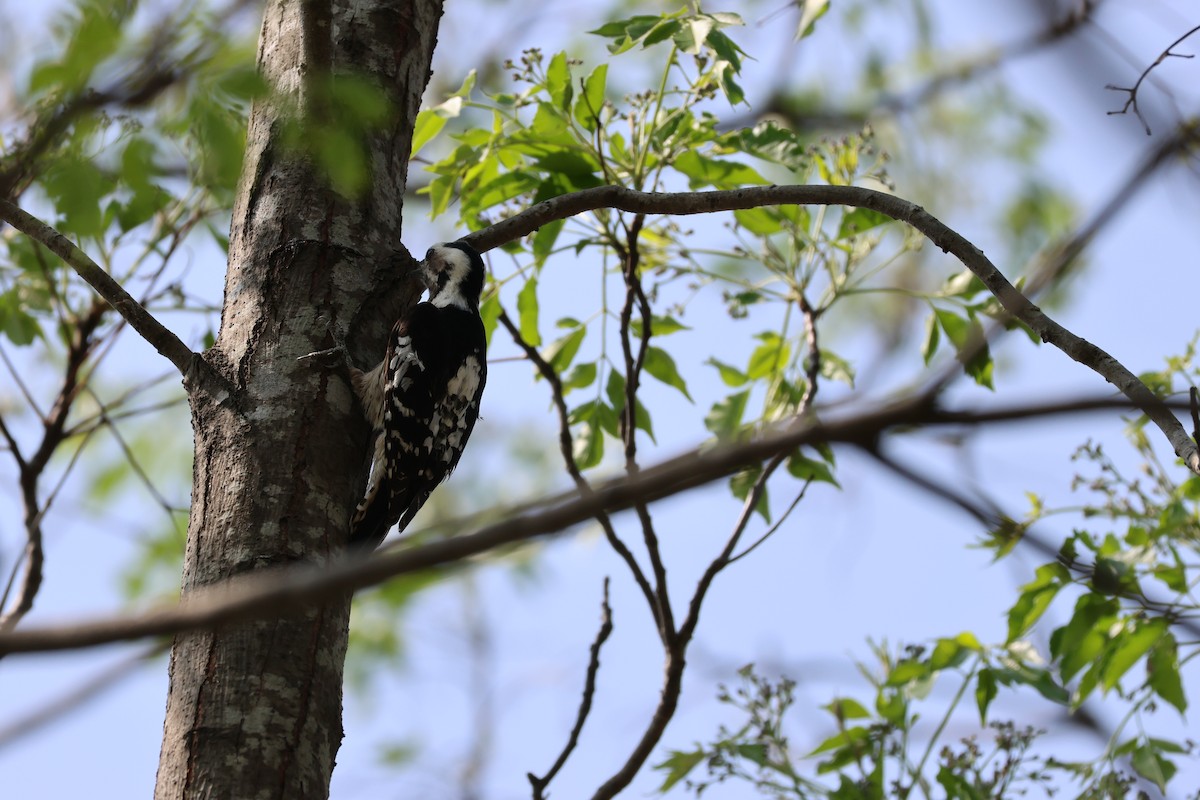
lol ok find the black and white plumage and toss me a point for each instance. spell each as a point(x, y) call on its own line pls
point(423, 398)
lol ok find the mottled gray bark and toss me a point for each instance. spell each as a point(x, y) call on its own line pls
point(254, 709)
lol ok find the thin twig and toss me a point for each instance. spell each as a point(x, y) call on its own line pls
point(585, 703)
point(750, 548)
point(76, 697)
point(150, 329)
point(16, 375)
point(1132, 91)
point(990, 516)
point(566, 447)
point(634, 365)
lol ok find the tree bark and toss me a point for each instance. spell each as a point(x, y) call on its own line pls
point(254, 708)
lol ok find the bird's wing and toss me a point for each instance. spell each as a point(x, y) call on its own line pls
point(403, 448)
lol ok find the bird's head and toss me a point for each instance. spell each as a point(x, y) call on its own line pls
point(454, 274)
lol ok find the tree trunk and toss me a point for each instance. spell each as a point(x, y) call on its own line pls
point(254, 708)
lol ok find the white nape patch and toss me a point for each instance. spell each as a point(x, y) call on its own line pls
point(457, 266)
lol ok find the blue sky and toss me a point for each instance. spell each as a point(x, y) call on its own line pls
point(878, 559)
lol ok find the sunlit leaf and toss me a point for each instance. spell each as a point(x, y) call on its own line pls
point(1035, 598)
point(558, 81)
point(730, 375)
point(590, 102)
point(725, 418)
point(561, 352)
point(677, 766)
point(1128, 647)
point(661, 365)
point(1162, 668)
point(527, 312)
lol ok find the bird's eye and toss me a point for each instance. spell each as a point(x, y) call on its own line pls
point(429, 254)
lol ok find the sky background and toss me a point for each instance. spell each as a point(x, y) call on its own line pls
point(878, 559)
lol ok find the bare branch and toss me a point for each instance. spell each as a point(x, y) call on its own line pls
point(1015, 303)
point(1132, 91)
point(634, 294)
point(72, 700)
point(31, 470)
point(567, 449)
point(153, 331)
point(281, 590)
point(991, 516)
point(585, 704)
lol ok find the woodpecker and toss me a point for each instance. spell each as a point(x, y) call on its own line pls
point(423, 399)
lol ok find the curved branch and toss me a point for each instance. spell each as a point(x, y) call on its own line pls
point(141, 320)
point(950, 241)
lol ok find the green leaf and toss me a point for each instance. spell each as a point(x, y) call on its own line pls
point(558, 81)
point(931, 338)
point(499, 190)
point(967, 333)
point(754, 752)
point(1080, 641)
point(588, 447)
point(489, 312)
point(1151, 765)
point(769, 357)
point(1128, 647)
point(75, 187)
point(678, 765)
point(891, 705)
point(591, 100)
point(730, 375)
point(985, 692)
point(615, 390)
point(660, 364)
point(561, 352)
point(527, 312)
point(850, 736)
point(907, 672)
point(1035, 598)
point(659, 326)
point(948, 653)
point(724, 420)
point(759, 221)
point(1038, 679)
point(957, 329)
point(860, 220)
point(741, 484)
point(964, 284)
point(703, 171)
point(1162, 668)
point(580, 376)
point(844, 708)
point(812, 10)
point(836, 368)
point(20, 327)
point(429, 124)
point(693, 34)
point(807, 469)
point(544, 239)
point(958, 787)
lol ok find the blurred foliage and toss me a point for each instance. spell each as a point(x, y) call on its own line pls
point(133, 181)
